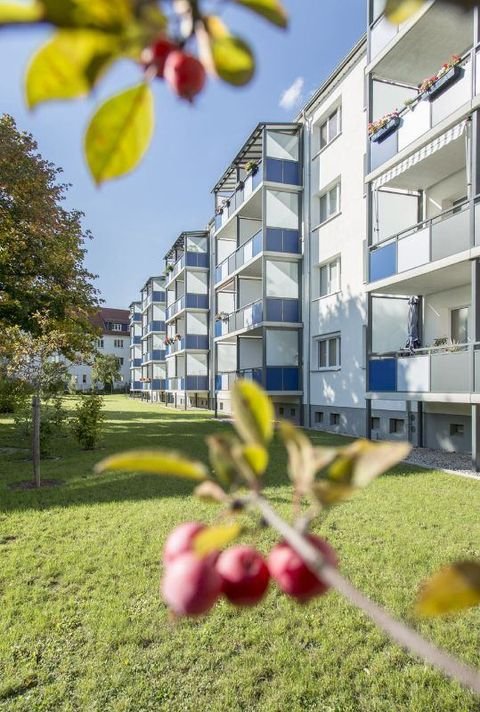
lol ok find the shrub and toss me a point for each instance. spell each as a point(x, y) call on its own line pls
point(12, 394)
point(87, 423)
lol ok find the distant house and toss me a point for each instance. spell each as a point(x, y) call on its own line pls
point(114, 340)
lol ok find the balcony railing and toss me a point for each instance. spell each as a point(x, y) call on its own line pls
point(156, 326)
point(188, 259)
point(273, 378)
point(155, 296)
point(135, 317)
point(136, 386)
point(423, 116)
point(187, 301)
point(136, 363)
point(189, 383)
point(251, 315)
point(273, 240)
point(190, 341)
point(428, 241)
point(155, 355)
point(445, 369)
point(135, 340)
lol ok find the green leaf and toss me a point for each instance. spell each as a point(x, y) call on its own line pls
point(221, 458)
point(272, 10)
point(451, 589)
point(157, 462)
point(252, 412)
point(108, 15)
point(68, 65)
point(119, 133)
point(373, 459)
point(17, 12)
point(232, 59)
point(398, 11)
point(215, 538)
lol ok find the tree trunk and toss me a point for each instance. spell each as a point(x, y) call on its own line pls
point(36, 439)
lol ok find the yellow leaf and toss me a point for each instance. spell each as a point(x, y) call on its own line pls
point(256, 458)
point(451, 589)
point(398, 11)
point(68, 65)
point(373, 459)
point(158, 462)
point(252, 411)
point(16, 12)
point(328, 493)
point(210, 491)
point(119, 133)
point(221, 458)
point(272, 10)
point(232, 59)
point(215, 538)
point(107, 15)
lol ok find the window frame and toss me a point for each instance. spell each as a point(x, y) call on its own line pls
point(327, 339)
point(327, 124)
point(337, 187)
point(328, 266)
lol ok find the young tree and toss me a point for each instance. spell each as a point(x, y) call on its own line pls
point(42, 245)
point(106, 370)
point(30, 359)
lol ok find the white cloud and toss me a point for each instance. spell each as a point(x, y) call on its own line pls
point(292, 96)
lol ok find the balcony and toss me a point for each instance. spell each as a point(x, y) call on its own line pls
point(274, 170)
point(136, 340)
point(190, 341)
point(154, 296)
point(439, 371)
point(188, 259)
point(431, 240)
point(190, 383)
point(135, 317)
point(155, 355)
point(273, 378)
point(273, 240)
point(188, 301)
point(136, 386)
point(428, 111)
point(154, 326)
point(252, 315)
point(136, 363)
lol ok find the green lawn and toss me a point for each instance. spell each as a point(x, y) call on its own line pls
point(82, 627)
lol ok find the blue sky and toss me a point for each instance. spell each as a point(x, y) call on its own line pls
point(135, 219)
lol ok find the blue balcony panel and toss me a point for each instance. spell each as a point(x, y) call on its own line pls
point(281, 171)
point(218, 382)
point(283, 240)
point(252, 374)
point(136, 317)
point(158, 355)
point(382, 374)
point(196, 301)
point(137, 386)
point(158, 296)
point(196, 341)
point(137, 340)
point(282, 378)
point(284, 310)
point(156, 326)
point(196, 383)
point(218, 328)
point(136, 362)
point(158, 384)
point(197, 259)
point(383, 262)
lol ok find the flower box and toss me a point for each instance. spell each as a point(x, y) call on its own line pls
point(443, 82)
point(388, 128)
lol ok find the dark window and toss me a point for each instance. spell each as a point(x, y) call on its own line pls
point(375, 423)
point(319, 416)
point(334, 418)
point(281, 410)
point(397, 425)
point(457, 429)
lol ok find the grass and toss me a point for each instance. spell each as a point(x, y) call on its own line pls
point(82, 627)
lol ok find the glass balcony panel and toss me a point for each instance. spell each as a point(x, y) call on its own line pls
point(414, 250)
point(450, 372)
point(383, 262)
point(477, 222)
point(454, 96)
point(450, 235)
point(415, 122)
point(381, 151)
point(413, 374)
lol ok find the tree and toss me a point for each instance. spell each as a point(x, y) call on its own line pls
point(30, 359)
point(106, 370)
point(42, 246)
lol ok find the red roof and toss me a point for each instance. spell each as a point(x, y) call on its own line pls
point(106, 316)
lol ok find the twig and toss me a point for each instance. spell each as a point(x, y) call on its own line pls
point(397, 630)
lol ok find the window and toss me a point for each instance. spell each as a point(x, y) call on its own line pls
point(330, 203)
point(84, 378)
point(397, 425)
point(330, 128)
point(117, 327)
point(221, 405)
point(281, 410)
point(330, 277)
point(329, 352)
point(334, 418)
point(99, 343)
point(375, 423)
point(457, 429)
point(120, 361)
point(459, 325)
point(118, 343)
point(319, 416)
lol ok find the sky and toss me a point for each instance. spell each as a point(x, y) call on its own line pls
point(135, 219)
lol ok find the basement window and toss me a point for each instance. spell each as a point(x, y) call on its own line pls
point(319, 416)
point(397, 426)
point(375, 423)
point(334, 418)
point(457, 429)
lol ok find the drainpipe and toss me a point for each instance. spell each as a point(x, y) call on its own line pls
point(307, 171)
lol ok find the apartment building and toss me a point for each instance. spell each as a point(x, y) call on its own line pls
point(136, 384)
point(257, 253)
point(423, 227)
point(334, 304)
point(113, 326)
point(187, 320)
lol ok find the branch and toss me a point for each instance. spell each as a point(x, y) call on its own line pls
point(397, 630)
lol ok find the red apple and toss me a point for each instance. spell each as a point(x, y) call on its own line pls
point(156, 55)
point(191, 585)
point(180, 540)
point(244, 575)
point(291, 573)
point(185, 74)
